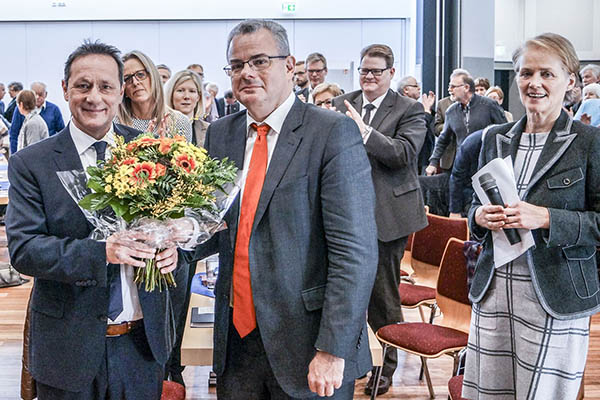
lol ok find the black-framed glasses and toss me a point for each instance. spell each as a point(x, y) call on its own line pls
point(316, 71)
point(451, 86)
point(415, 86)
point(257, 63)
point(374, 71)
point(139, 75)
point(327, 102)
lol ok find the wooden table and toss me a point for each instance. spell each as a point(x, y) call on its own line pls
point(197, 344)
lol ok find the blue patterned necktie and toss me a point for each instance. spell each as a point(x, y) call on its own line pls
point(115, 299)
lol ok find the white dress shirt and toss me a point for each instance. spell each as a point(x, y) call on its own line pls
point(275, 121)
point(87, 154)
point(377, 103)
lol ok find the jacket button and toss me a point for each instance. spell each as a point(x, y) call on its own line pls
point(566, 181)
point(103, 318)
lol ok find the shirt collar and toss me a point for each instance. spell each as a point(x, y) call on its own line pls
point(377, 102)
point(276, 118)
point(83, 141)
point(42, 107)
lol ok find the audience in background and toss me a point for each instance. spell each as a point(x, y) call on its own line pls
point(591, 91)
point(300, 77)
point(573, 97)
point(324, 93)
point(47, 110)
point(465, 166)
point(227, 104)
point(33, 128)
point(164, 72)
point(495, 93)
point(197, 68)
point(13, 90)
point(211, 101)
point(409, 87)
point(183, 93)
point(481, 86)
point(2, 93)
point(590, 74)
point(143, 105)
point(316, 68)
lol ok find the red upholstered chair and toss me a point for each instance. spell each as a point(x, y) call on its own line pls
point(449, 335)
point(426, 255)
point(455, 387)
point(172, 391)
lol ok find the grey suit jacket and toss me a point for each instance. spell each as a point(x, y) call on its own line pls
point(393, 148)
point(566, 180)
point(313, 248)
point(48, 239)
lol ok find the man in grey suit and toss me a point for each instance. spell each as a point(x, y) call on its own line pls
point(393, 131)
point(297, 262)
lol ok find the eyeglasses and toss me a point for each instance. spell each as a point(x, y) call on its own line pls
point(374, 71)
point(257, 63)
point(415, 86)
point(140, 75)
point(326, 102)
point(451, 86)
point(316, 71)
point(299, 73)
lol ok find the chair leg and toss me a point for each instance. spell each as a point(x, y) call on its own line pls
point(433, 311)
point(456, 357)
point(379, 371)
point(422, 313)
point(428, 378)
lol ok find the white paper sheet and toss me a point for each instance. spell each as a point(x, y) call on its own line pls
point(502, 171)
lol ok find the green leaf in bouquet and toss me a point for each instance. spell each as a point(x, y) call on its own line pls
point(95, 185)
point(119, 208)
point(95, 201)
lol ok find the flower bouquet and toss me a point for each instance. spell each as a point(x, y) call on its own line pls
point(148, 183)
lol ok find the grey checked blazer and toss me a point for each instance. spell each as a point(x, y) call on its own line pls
point(566, 180)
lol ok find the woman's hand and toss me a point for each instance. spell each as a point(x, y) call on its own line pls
point(491, 217)
point(526, 215)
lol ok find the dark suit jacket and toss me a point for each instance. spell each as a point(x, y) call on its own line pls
point(48, 239)
point(222, 107)
point(313, 249)
point(304, 92)
point(10, 109)
point(566, 180)
point(483, 112)
point(465, 166)
point(393, 148)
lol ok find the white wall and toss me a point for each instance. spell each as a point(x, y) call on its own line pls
point(518, 20)
point(81, 10)
point(38, 50)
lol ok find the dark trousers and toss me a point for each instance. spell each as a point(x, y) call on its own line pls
point(180, 296)
point(385, 307)
point(436, 192)
point(128, 372)
point(248, 374)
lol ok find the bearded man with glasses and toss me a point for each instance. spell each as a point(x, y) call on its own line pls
point(298, 260)
point(393, 131)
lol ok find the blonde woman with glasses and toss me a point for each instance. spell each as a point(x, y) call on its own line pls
point(144, 107)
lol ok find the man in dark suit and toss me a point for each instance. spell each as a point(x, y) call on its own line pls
point(2, 93)
point(93, 335)
point(297, 261)
point(316, 69)
point(227, 104)
point(13, 90)
point(393, 131)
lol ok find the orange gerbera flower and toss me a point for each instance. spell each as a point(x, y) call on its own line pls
point(143, 172)
point(186, 162)
point(160, 170)
point(179, 138)
point(147, 141)
point(129, 161)
point(165, 145)
point(132, 146)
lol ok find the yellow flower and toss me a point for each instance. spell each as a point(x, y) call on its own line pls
point(108, 178)
point(107, 188)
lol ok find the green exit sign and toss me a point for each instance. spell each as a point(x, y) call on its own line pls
point(288, 7)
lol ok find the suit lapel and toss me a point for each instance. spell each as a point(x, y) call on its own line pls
point(236, 146)
point(557, 143)
point(65, 152)
point(383, 110)
point(357, 102)
point(508, 143)
point(287, 143)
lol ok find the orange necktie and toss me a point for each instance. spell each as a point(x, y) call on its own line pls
point(244, 314)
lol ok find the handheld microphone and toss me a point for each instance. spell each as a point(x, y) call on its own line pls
point(489, 186)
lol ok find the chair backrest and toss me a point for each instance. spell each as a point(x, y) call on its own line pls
point(452, 291)
point(429, 244)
